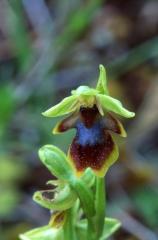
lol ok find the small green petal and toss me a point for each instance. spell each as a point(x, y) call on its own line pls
point(102, 81)
point(114, 105)
point(67, 105)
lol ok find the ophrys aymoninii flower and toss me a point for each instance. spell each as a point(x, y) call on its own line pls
point(93, 145)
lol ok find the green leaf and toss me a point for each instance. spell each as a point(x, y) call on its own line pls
point(43, 233)
point(102, 81)
point(111, 104)
point(56, 161)
point(111, 225)
point(67, 105)
point(56, 200)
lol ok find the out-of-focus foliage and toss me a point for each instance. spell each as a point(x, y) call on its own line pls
point(146, 201)
point(11, 171)
point(49, 47)
point(7, 106)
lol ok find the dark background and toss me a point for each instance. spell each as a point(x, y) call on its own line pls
point(48, 48)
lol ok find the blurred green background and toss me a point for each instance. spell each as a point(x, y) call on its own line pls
point(49, 47)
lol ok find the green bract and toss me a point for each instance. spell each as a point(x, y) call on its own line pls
point(56, 161)
point(87, 97)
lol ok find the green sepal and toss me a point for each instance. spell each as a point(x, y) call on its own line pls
point(56, 200)
point(85, 91)
point(111, 104)
point(43, 233)
point(102, 81)
point(56, 162)
point(67, 105)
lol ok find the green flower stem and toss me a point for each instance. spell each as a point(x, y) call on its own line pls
point(90, 230)
point(86, 198)
point(100, 205)
point(69, 227)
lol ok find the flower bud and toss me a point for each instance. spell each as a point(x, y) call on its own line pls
point(55, 199)
point(55, 160)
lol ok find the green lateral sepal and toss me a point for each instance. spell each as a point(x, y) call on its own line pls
point(67, 105)
point(111, 104)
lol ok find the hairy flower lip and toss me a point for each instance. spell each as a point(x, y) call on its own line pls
point(93, 145)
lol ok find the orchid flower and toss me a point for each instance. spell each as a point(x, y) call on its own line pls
point(91, 112)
